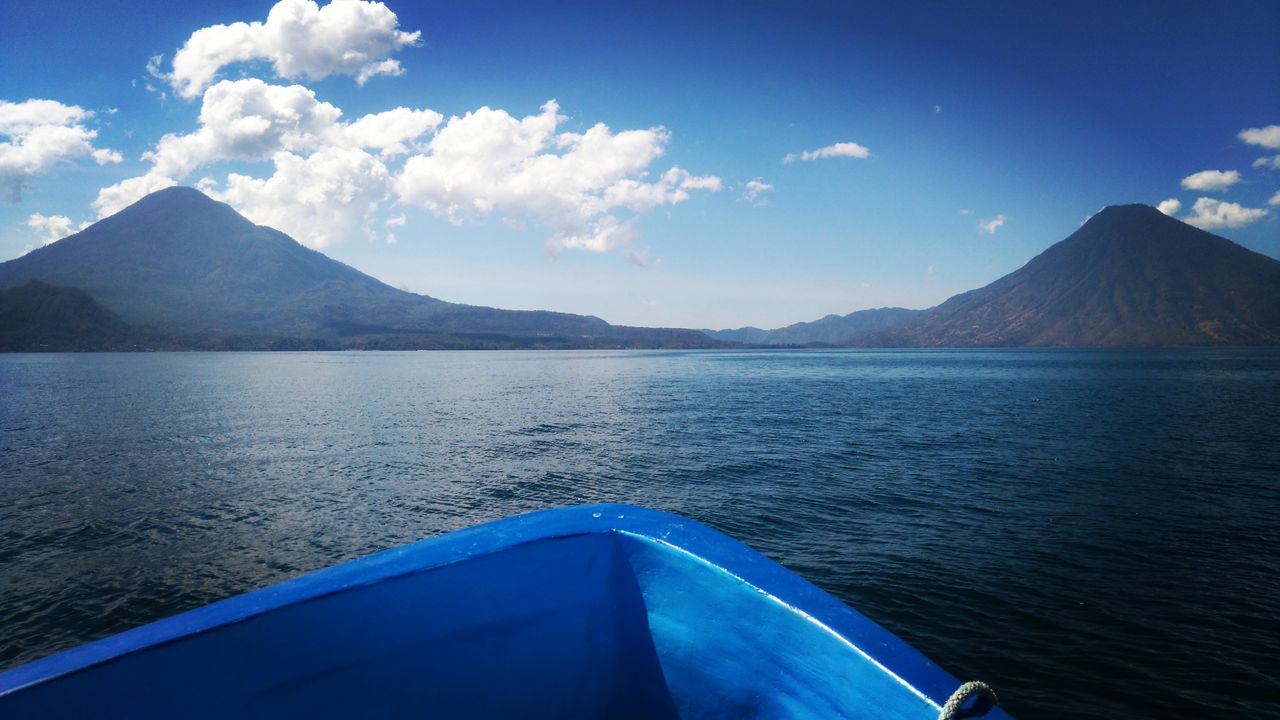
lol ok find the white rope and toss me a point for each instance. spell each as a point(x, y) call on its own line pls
point(964, 692)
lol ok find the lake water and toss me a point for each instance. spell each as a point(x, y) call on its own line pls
point(1096, 534)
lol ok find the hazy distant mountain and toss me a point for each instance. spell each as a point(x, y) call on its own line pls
point(179, 262)
point(41, 317)
point(830, 330)
point(1130, 276)
point(177, 269)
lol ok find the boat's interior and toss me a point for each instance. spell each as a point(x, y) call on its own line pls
point(597, 625)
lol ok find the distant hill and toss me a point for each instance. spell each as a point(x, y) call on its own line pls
point(1129, 277)
point(830, 330)
point(177, 262)
point(178, 270)
point(39, 317)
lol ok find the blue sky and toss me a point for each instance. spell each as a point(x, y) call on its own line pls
point(961, 139)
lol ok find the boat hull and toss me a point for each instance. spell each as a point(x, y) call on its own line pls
point(603, 611)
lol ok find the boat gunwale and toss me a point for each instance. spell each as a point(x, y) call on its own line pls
point(716, 550)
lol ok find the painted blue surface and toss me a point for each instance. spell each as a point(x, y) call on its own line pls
point(586, 612)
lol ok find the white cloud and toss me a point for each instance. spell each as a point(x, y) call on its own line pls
point(318, 200)
point(990, 226)
point(153, 69)
point(328, 176)
point(18, 119)
point(966, 211)
point(54, 227)
point(1275, 199)
point(1170, 206)
point(251, 121)
point(36, 135)
point(1210, 214)
point(391, 131)
point(937, 109)
point(754, 191)
point(391, 239)
point(1211, 180)
point(842, 149)
point(1267, 137)
point(705, 182)
point(397, 221)
point(1271, 161)
point(573, 183)
point(247, 120)
point(930, 271)
point(114, 198)
point(300, 40)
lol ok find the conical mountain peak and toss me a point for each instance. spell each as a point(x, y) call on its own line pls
point(1130, 276)
point(177, 206)
point(178, 261)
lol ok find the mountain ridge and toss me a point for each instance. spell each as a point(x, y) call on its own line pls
point(1130, 276)
point(828, 330)
point(42, 317)
point(178, 262)
point(180, 270)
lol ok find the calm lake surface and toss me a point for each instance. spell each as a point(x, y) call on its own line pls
point(1096, 534)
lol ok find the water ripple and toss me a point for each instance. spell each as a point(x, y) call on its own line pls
point(1094, 533)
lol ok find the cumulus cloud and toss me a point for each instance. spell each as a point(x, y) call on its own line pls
point(249, 120)
point(576, 184)
point(1267, 137)
point(318, 200)
point(114, 198)
point(841, 149)
point(966, 211)
point(1170, 206)
point(51, 228)
point(990, 226)
point(36, 135)
point(753, 192)
point(328, 176)
point(300, 40)
point(1211, 180)
point(1211, 214)
point(392, 131)
point(1270, 161)
point(1275, 199)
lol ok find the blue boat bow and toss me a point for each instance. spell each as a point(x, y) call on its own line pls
point(599, 611)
